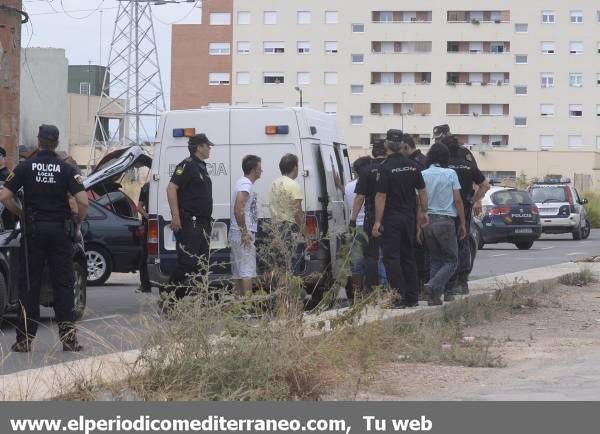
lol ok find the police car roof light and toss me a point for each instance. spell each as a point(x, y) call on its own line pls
point(178, 132)
point(272, 130)
point(189, 132)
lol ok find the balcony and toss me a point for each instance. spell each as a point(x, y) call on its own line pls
point(400, 17)
point(401, 47)
point(477, 110)
point(478, 17)
point(400, 109)
point(493, 79)
point(495, 141)
point(401, 78)
point(478, 47)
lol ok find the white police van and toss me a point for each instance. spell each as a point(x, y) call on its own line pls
point(269, 133)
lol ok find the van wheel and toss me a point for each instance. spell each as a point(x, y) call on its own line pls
point(3, 296)
point(587, 230)
point(524, 245)
point(99, 265)
point(79, 291)
point(577, 233)
point(320, 292)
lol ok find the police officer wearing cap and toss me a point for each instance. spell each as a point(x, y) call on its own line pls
point(365, 195)
point(4, 171)
point(397, 215)
point(463, 162)
point(49, 231)
point(190, 198)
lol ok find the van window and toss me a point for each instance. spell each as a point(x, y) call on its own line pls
point(511, 197)
point(549, 194)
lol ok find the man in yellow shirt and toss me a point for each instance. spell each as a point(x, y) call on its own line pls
point(285, 203)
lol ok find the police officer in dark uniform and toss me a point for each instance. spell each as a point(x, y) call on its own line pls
point(415, 154)
point(463, 162)
point(190, 199)
point(397, 216)
point(4, 171)
point(49, 229)
point(365, 194)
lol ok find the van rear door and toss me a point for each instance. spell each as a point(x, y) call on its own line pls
point(335, 205)
point(341, 152)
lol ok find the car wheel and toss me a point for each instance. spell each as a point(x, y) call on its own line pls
point(3, 296)
point(577, 233)
point(480, 242)
point(524, 245)
point(79, 291)
point(587, 230)
point(99, 265)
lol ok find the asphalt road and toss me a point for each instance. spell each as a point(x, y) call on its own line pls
point(115, 313)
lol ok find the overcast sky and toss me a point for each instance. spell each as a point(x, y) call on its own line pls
point(85, 33)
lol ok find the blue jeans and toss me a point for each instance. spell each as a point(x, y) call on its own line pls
point(442, 246)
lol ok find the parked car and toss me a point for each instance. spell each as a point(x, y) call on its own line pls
point(509, 216)
point(113, 232)
point(10, 241)
point(562, 210)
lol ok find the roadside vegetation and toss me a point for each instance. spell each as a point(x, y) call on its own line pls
point(593, 208)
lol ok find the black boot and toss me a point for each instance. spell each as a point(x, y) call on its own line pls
point(21, 346)
point(68, 337)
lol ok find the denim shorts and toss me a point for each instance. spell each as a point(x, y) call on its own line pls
point(357, 257)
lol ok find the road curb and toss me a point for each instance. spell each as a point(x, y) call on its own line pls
point(49, 382)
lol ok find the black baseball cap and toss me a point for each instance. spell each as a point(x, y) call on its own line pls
point(200, 139)
point(2, 152)
point(394, 136)
point(48, 132)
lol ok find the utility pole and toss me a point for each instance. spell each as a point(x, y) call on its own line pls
point(11, 18)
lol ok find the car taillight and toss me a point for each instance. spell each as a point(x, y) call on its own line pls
point(312, 234)
point(152, 242)
point(498, 211)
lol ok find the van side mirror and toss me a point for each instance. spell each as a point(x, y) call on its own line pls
point(584, 201)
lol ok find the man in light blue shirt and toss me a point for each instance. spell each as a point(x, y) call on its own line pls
point(445, 203)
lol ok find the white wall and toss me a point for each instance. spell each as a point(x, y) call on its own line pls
point(44, 73)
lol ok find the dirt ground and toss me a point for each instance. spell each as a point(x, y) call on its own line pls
point(550, 352)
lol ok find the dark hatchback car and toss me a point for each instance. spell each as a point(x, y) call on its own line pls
point(509, 216)
point(113, 232)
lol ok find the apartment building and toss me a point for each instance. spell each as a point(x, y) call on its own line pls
point(519, 82)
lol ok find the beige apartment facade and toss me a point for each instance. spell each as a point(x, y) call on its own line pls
point(519, 82)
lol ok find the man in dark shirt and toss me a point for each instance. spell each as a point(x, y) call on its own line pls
point(413, 153)
point(396, 214)
point(143, 210)
point(465, 166)
point(365, 194)
point(190, 198)
point(46, 181)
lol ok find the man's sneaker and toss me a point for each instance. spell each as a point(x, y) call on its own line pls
point(21, 347)
point(435, 301)
point(72, 346)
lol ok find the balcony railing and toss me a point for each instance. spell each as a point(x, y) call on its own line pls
point(498, 83)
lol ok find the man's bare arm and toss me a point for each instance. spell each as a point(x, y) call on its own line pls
point(359, 201)
point(8, 199)
point(82, 204)
point(241, 199)
point(174, 206)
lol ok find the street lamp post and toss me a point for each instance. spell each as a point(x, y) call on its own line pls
point(402, 110)
point(300, 92)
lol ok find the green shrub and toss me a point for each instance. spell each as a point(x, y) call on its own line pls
point(593, 208)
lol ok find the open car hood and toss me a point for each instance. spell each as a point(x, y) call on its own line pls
point(115, 163)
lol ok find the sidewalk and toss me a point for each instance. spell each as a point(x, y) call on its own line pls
point(48, 382)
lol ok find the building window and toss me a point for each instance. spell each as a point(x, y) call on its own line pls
point(358, 59)
point(330, 108)
point(548, 17)
point(547, 110)
point(576, 47)
point(358, 28)
point(575, 142)
point(270, 17)
point(243, 47)
point(452, 47)
point(548, 47)
point(498, 47)
point(546, 142)
point(243, 78)
point(576, 17)
point(575, 110)
point(303, 47)
point(547, 80)
point(331, 47)
point(521, 90)
point(521, 59)
point(273, 78)
point(331, 17)
point(219, 48)
point(218, 78)
point(243, 18)
point(386, 109)
point(303, 78)
point(520, 121)
point(304, 17)
point(496, 110)
point(357, 89)
point(331, 78)
point(475, 47)
point(220, 19)
point(356, 120)
point(576, 79)
point(84, 88)
point(521, 28)
point(273, 47)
